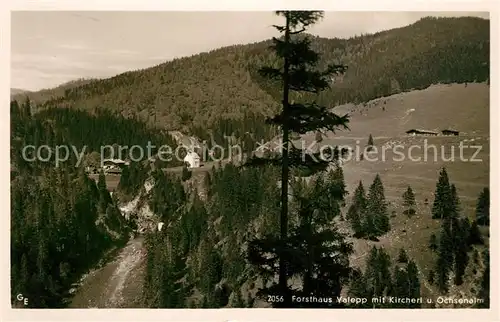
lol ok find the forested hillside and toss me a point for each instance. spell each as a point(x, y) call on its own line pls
point(62, 222)
point(17, 91)
point(47, 93)
point(199, 261)
point(200, 90)
point(81, 131)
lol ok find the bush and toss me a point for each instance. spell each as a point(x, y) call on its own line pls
point(410, 212)
point(402, 258)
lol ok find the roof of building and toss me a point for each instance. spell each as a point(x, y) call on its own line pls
point(114, 160)
point(421, 130)
point(192, 154)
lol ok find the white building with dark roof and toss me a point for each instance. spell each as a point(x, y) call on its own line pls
point(192, 159)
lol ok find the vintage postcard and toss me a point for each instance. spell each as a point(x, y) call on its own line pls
point(250, 159)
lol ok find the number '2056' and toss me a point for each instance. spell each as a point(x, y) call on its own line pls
point(275, 298)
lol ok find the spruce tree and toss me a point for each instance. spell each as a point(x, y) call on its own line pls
point(212, 265)
point(466, 226)
point(124, 184)
point(101, 181)
point(461, 248)
point(26, 109)
point(296, 74)
point(454, 210)
point(400, 288)
point(378, 272)
point(445, 258)
point(369, 226)
point(317, 232)
point(483, 208)
point(413, 283)
point(433, 243)
point(484, 291)
point(442, 196)
point(337, 179)
point(409, 202)
point(104, 198)
point(369, 146)
point(475, 237)
point(358, 287)
point(336, 188)
point(377, 217)
point(357, 211)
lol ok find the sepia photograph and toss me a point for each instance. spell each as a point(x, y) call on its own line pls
point(249, 159)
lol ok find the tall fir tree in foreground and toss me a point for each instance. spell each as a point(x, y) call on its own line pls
point(318, 254)
point(297, 74)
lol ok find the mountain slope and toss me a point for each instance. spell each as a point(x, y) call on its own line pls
point(48, 93)
point(198, 90)
point(438, 107)
point(17, 91)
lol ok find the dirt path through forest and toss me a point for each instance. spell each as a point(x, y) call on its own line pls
point(118, 284)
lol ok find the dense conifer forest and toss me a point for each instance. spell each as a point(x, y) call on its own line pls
point(62, 222)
